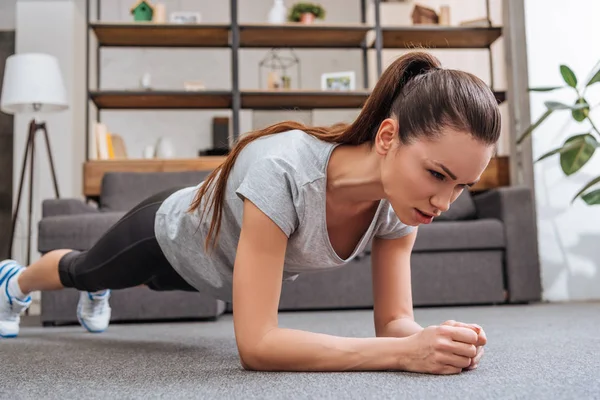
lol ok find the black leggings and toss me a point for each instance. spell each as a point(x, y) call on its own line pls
point(127, 255)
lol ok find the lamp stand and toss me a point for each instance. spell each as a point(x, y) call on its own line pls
point(34, 127)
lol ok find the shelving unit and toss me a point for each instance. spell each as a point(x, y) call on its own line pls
point(236, 36)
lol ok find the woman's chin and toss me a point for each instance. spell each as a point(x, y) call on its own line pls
point(407, 219)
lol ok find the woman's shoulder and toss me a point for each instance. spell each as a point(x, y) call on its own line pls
point(284, 142)
point(296, 149)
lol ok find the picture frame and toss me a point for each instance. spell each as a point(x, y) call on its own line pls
point(185, 17)
point(340, 81)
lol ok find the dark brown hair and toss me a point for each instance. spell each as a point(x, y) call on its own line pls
point(415, 90)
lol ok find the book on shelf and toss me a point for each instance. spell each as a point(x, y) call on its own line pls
point(108, 146)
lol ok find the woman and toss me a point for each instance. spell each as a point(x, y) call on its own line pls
point(291, 199)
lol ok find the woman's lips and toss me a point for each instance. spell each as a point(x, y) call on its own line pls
point(423, 217)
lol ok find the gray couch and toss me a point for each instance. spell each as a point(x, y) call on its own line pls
point(482, 251)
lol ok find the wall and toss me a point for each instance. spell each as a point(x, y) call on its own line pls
point(7, 14)
point(7, 48)
point(568, 234)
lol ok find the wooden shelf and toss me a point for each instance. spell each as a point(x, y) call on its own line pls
point(299, 35)
point(302, 99)
point(411, 37)
point(94, 170)
point(495, 175)
point(157, 99)
point(149, 34)
point(251, 99)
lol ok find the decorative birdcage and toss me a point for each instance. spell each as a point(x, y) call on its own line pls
point(277, 68)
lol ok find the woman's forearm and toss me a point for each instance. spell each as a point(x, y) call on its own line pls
point(295, 350)
point(400, 328)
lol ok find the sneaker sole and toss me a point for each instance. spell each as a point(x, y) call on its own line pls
point(87, 328)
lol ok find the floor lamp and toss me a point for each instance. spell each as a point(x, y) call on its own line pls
point(32, 83)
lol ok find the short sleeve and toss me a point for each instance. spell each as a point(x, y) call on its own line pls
point(389, 225)
point(270, 185)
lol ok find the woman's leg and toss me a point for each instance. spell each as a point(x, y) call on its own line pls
point(127, 255)
point(43, 274)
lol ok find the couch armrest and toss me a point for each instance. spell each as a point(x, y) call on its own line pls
point(514, 206)
point(77, 232)
point(54, 207)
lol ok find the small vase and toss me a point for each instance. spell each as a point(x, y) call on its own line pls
point(145, 81)
point(164, 148)
point(148, 152)
point(307, 18)
point(278, 13)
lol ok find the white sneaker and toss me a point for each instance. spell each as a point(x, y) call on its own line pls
point(10, 307)
point(93, 311)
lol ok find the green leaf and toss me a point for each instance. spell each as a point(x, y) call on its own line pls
point(595, 78)
point(555, 105)
point(581, 110)
point(592, 198)
point(573, 159)
point(568, 76)
point(586, 187)
point(570, 146)
point(537, 123)
point(546, 89)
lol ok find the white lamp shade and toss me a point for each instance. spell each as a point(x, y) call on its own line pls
point(32, 82)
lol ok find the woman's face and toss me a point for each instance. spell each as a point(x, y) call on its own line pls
point(422, 179)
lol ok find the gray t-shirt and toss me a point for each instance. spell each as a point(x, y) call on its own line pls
point(284, 175)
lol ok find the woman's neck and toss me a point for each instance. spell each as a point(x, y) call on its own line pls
point(353, 176)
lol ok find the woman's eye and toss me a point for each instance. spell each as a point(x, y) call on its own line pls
point(437, 175)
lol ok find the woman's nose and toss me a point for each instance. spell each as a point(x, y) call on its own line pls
point(441, 202)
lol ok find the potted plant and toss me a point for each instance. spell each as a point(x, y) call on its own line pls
point(306, 12)
point(577, 149)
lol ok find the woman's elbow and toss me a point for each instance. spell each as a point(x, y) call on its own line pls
point(251, 362)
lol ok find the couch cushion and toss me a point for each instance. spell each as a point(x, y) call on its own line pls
point(463, 208)
point(481, 234)
point(121, 191)
point(456, 278)
point(77, 232)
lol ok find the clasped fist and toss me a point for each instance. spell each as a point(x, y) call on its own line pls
point(448, 348)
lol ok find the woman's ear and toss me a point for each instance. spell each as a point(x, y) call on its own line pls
point(386, 136)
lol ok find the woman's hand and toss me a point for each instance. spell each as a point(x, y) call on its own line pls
point(481, 340)
point(441, 350)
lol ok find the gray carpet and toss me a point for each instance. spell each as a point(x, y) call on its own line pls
point(534, 352)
